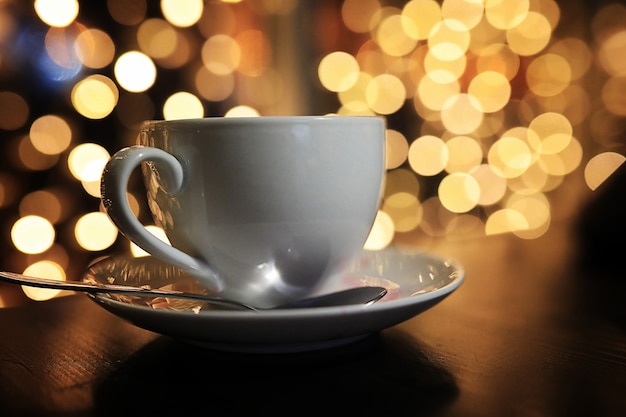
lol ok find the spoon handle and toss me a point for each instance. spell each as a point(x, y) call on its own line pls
point(94, 288)
point(357, 295)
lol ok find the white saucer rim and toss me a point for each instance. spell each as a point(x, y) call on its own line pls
point(377, 307)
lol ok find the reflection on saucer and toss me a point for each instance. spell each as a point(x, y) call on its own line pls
point(415, 281)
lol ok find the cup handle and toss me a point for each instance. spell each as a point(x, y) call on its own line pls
point(113, 187)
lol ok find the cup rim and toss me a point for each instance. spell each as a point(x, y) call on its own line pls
point(157, 124)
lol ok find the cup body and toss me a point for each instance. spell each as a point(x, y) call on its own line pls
point(272, 205)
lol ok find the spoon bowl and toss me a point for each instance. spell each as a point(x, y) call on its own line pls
point(357, 295)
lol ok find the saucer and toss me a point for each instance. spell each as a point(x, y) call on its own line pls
point(415, 282)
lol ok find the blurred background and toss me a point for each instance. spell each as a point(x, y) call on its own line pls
point(503, 115)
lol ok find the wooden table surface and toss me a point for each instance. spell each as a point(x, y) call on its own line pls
point(533, 331)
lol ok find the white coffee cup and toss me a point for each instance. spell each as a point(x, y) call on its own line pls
point(259, 209)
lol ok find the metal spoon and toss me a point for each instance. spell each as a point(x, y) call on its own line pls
point(357, 295)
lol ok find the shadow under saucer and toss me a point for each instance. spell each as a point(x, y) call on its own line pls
point(388, 373)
